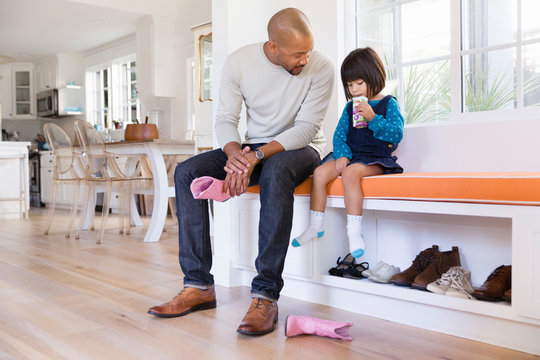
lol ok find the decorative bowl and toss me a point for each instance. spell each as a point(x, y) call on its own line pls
point(137, 132)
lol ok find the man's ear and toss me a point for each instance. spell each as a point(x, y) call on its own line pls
point(272, 45)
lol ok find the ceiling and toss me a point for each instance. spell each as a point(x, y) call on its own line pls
point(32, 29)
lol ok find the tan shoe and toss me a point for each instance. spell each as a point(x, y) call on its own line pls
point(260, 319)
point(190, 299)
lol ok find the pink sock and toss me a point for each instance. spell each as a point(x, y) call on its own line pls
point(297, 325)
point(207, 187)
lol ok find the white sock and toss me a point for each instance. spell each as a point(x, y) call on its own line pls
point(357, 245)
point(314, 230)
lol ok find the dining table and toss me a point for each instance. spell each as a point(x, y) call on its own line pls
point(156, 152)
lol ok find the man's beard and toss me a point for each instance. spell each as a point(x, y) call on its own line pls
point(296, 70)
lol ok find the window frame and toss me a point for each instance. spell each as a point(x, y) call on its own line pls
point(120, 87)
point(457, 116)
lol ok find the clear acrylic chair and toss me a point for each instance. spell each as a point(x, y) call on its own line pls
point(171, 161)
point(101, 169)
point(66, 163)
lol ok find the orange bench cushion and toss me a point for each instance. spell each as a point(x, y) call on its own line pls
point(521, 188)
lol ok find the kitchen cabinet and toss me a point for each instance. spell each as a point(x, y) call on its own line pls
point(46, 70)
point(58, 71)
point(22, 91)
point(65, 73)
point(16, 91)
point(5, 90)
point(46, 175)
point(65, 193)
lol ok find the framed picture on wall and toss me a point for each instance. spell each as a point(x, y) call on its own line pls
point(205, 67)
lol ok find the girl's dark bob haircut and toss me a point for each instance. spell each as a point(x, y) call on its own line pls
point(363, 64)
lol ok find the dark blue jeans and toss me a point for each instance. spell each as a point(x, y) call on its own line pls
point(277, 177)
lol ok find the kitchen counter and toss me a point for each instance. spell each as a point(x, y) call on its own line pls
point(10, 177)
point(14, 144)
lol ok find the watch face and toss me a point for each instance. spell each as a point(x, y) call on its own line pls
point(259, 154)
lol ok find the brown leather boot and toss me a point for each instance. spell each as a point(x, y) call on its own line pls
point(495, 285)
point(260, 319)
point(420, 263)
point(440, 263)
point(190, 299)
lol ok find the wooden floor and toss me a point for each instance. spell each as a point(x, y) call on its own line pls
point(73, 299)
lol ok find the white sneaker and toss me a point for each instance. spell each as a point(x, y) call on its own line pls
point(455, 282)
point(384, 273)
point(367, 273)
point(441, 285)
point(461, 285)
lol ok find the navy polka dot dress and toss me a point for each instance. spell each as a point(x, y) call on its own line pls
point(375, 143)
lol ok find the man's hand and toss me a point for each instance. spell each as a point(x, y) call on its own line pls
point(241, 162)
point(237, 181)
point(236, 160)
point(341, 164)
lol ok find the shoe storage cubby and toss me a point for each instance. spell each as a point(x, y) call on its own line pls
point(396, 231)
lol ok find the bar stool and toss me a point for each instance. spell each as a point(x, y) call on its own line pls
point(23, 176)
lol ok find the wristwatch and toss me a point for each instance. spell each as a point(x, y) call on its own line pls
point(259, 154)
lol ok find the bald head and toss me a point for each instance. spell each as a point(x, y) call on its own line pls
point(290, 40)
point(289, 24)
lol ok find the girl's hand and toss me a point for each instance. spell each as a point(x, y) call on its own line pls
point(341, 164)
point(366, 111)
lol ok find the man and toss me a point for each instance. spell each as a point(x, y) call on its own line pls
point(286, 87)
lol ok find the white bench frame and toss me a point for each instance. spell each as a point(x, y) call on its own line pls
point(515, 326)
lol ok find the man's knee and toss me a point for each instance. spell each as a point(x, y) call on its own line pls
point(181, 173)
point(281, 171)
point(206, 164)
point(186, 170)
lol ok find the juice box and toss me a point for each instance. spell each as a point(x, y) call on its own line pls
point(358, 120)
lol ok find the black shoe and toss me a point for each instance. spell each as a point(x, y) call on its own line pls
point(355, 271)
point(343, 266)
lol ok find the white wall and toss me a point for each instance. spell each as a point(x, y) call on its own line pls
point(189, 14)
point(510, 145)
point(157, 7)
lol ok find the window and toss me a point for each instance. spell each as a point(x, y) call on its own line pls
point(453, 60)
point(113, 102)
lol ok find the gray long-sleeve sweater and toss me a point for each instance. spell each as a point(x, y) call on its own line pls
point(282, 107)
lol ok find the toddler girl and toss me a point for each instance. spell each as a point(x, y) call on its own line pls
point(361, 148)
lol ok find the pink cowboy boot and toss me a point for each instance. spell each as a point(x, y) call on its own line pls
point(297, 325)
point(206, 187)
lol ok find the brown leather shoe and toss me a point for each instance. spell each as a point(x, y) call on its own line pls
point(495, 285)
point(420, 263)
point(190, 299)
point(507, 296)
point(440, 263)
point(260, 319)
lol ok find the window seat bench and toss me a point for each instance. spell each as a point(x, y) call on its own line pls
point(494, 218)
point(469, 187)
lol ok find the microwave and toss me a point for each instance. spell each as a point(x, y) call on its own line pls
point(47, 103)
